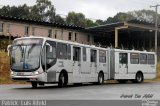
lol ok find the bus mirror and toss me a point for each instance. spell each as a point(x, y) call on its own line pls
point(9, 49)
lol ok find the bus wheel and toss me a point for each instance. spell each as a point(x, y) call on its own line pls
point(34, 84)
point(62, 80)
point(100, 78)
point(139, 78)
point(122, 81)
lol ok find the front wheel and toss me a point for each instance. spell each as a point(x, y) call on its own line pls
point(100, 78)
point(34, 84)
point(62, 80)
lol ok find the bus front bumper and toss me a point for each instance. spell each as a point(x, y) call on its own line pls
point(37, 78)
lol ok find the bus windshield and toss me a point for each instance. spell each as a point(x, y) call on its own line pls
point(25, 57)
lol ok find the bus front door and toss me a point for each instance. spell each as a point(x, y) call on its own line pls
point(77, 64)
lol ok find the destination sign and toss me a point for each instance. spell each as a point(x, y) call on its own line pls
point(28, 41)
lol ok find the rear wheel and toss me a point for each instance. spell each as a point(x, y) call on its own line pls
point(100, 78)
point(139, 78)
point(62, 80)
point(34, 84)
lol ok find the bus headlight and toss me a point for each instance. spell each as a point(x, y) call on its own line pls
point(36, 72)
point(12, 72)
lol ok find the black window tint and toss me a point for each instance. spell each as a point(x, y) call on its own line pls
point(76, 54)
point(123, 58)
point(151, 59)
point(50, 54)
point(143, 58)
point(134, 58)
point(84, 54)
point(69, 52)
point(61, 51)
point(93, 55)
point(102, 56)
point(64, 51)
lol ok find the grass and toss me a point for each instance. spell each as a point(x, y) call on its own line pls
point(5, 72)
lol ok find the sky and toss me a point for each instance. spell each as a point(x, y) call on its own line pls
point(92, 9)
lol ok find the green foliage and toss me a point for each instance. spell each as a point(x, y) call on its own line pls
point(4, 42)
point(76, 19)
point(44, 10)
point(147, 15)
point(120, 17)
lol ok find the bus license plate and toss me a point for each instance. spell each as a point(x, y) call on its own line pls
point(20, 73)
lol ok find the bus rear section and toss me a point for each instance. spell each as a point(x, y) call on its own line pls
point(132, 65)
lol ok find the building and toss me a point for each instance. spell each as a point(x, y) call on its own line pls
point(18, 27)
point(133, 34)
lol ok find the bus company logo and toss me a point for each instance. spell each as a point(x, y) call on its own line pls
point(149, 102)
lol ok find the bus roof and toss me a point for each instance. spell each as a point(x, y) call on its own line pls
point(132, 51)
point(63, 41)
point(85, 45)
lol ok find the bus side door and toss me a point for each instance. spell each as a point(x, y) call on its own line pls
point(93, 64)
point(77, 63)
point(123, 63)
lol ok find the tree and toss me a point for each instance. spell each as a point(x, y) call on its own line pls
point(119, 17)
point(45, 9)
point(90, 23)
point(59, 19)
point(76, 19)
point(100, 22)
point(147, 15)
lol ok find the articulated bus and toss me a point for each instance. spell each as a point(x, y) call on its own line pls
point(41, 60)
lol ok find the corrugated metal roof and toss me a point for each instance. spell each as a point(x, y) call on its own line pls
point(54, 24)
point(111, 27)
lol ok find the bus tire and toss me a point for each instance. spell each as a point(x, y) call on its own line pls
point(139, 77)
point(34, 84)
point(100, 78)
point(62, 80)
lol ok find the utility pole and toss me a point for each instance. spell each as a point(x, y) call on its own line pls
point(156, 26)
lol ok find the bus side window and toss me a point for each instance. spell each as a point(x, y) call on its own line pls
point(69, 52)
point(134, 58)
point(151, 59)
point(84, 54)
point(93, 55)
point(102, 56)
point(123, 59)
point(62, 51)
point(143, 58)
point(76, 54)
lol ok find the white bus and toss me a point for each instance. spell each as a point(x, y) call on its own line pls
point(41, 60)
